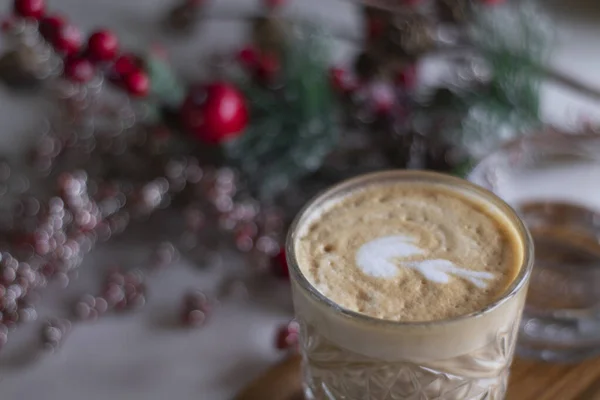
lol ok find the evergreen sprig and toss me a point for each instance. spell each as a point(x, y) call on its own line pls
point(294, 126)
point(512, 41)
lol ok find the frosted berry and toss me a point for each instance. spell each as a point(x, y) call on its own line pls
point(102, 45)
point(79, 69)
point(194, 309)
point(195, 300)
point(194, 318)
point(29, 8)
point(137, 83)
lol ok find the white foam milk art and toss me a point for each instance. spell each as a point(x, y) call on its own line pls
point(376, 258)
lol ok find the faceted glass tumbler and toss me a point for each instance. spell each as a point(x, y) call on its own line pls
point(351, 356)
point(552, 179)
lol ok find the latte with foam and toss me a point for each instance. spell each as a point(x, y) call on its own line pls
point(435, 270)
point(409, 252)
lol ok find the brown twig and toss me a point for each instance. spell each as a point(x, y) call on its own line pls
point(571, 83)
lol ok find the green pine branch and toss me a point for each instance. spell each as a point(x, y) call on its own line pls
point(292, 128)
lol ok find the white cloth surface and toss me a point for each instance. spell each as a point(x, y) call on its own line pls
point(141, 356)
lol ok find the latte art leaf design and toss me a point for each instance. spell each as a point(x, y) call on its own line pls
point(376, 258)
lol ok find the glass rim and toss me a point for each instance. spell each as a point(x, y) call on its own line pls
point(433, 177)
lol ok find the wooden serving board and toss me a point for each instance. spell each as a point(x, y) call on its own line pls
point(530, 380)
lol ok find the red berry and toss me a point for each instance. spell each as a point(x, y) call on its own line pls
point(215, 113)
point(126, 64)
point(342, 81)
point(137, 83)
point(79, 69)
point(407, 77)
point(268, 67)
point(248, 57)
point(50, 27)
point(103, 45)
point(375, 27)
point(68, 40)
point(279, 265)
point(29, 8)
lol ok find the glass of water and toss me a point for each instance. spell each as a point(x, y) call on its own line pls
point(552, 179)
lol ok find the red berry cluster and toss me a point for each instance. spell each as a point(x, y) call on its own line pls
point(33, 9)
point(264, 66)
point(379, 96)
point(127, 72)
point(82, 60)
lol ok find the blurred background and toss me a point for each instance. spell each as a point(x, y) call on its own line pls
point(191, 300)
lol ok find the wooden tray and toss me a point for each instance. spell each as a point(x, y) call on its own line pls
point(530, 380)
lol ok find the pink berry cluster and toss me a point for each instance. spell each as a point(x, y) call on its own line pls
point(121, 291)
point(195, 309)
point(54, 332)
point(124, 290)
point(83, 59)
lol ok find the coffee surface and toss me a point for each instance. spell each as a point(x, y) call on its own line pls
point(409, 252)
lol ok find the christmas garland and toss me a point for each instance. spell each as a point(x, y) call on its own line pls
point(236, 156)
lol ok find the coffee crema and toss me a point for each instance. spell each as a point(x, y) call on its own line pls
point(409, 252)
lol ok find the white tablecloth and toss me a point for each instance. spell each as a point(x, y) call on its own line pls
point(143, 356)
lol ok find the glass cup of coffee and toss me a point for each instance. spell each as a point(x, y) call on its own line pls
point(408, 285)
